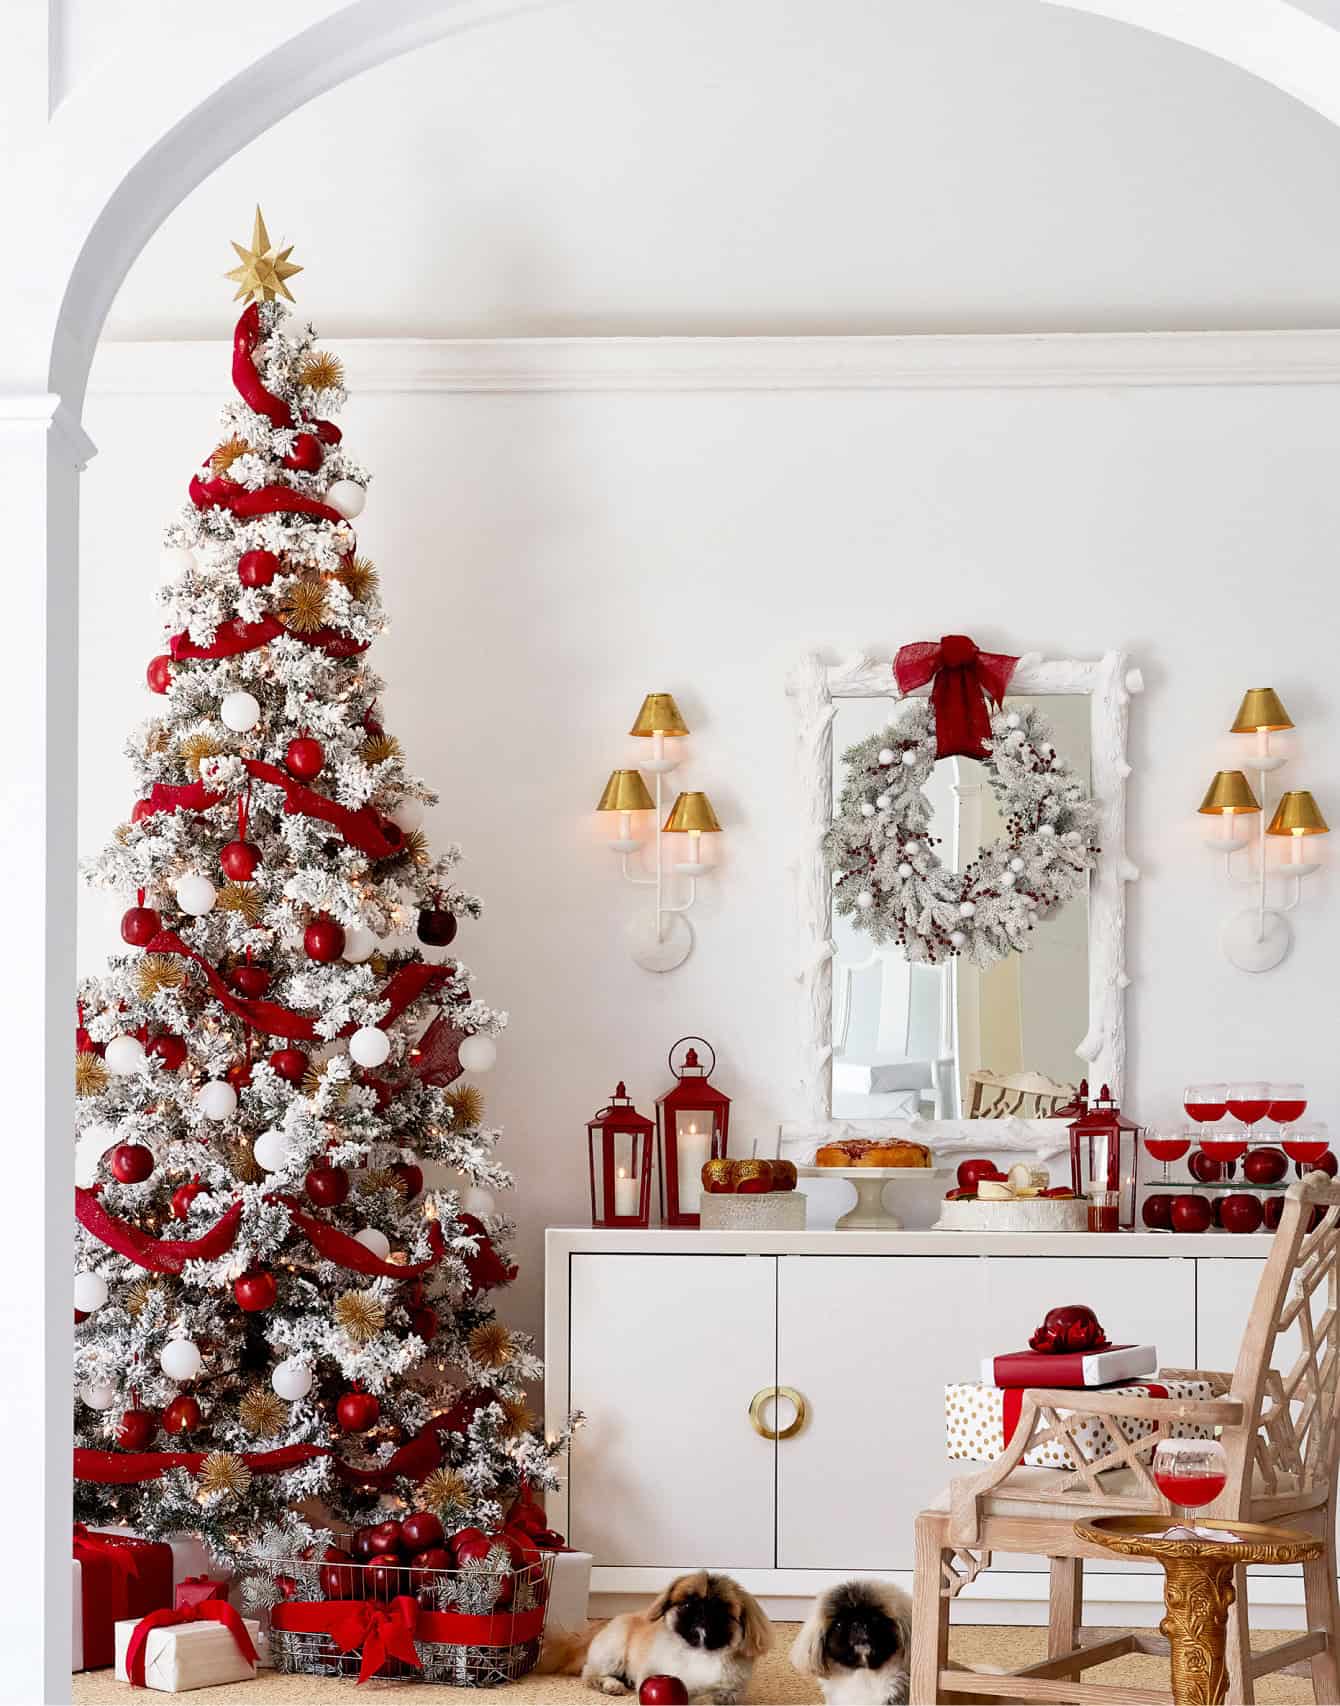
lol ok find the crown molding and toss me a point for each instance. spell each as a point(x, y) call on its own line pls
point(1060, 360)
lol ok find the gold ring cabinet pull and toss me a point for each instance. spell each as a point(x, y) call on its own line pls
point(766, 1397)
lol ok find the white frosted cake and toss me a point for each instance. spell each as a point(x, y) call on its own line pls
point(1022, 1214)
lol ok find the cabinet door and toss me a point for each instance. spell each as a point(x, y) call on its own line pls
point(666, 1353)
point(1225, 1291)
point(871, 1343)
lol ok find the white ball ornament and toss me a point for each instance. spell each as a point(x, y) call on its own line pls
point(359, 945)
point(348, 497)
point(271, 1149)
point(123, 1056)
point(477, 1201)
point(240, 712)
point(1008, 879)
point(886, 755)
point(216, 1100)
point(370, 1046)
point(98, 1395)
point(966, 909)
point(1071, 838)
point(1013, 720)
point(1016, 865)
point(884, 801)
point(90, 1292)
point(909, 759)
point(195, 894)
point(477, 1054)
point(372, 1239)
point(291, 1379)
point(867, 809)
point(1047, 829)
point(180, 1359)
point(904, 870)
point(176, 560)
point(957, 938)
point(408, 815)
point(865, 900)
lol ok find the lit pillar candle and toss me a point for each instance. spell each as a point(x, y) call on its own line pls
point(694, 1148)
point(625, 1194)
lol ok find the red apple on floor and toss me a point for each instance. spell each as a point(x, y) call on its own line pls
point(663, 1691)
point(1191, 1214)
point(1265, 1166)
point(1156, 1211)
point(420, 1530)
point(1241, 1213)
point(1203, 1167)
point(970, 1172)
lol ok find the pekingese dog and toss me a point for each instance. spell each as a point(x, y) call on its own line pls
point(857, 1642)
point(704, 1629)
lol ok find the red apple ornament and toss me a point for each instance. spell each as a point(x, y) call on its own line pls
point(971, 1173)
point(1191, 1214)
point(183, 1197)
point(1156, 1211)
point(132, 1163)
point(168, 1049)
point(137, 1428)
point(437, 926)
point(1241, 1212)
point(159, 673)
point(421, 1530)
point(470, 1546)
point(1204, 1168)
point(290, 1064)
point(139, 926)
point(305, 454)
point(327, 1186)
point(257, 568)
point(239, 860)
point(250, 979)
point(410, 1176)
point(182, 1415)
point(356, 1412)
point(1265, 1166)
point(386, 1536)
point(255, 1290)
point(305, 758)
point(662, 1691)
point(323, 940)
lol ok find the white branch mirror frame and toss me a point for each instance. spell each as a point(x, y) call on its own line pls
point(815, 689)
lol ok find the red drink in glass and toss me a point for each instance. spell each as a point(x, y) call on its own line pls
point(1224, 1146)
point(1286, 1112)
point(1190, 1491)
point(1205, 1113)
point(1304, 1148)
point(1249, 1111)
point(1167, 1148)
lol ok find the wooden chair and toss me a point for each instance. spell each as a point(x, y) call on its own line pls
point(1027, 1095)
point(1280, 1428)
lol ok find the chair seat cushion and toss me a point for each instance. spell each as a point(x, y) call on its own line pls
point(1017, 1495)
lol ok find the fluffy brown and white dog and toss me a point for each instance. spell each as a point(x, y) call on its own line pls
point(704, 1629)
point(857, 1642)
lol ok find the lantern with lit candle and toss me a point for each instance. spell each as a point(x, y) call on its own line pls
point(692, 1126)
point(618, 1142)
point(1104, 1153)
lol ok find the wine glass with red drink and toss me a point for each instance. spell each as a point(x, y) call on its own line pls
point(1165, 1144)
point(1288, 1104)
point(1205, 1103)
point(1305, 1144)
point(1247, 1101)
point(1190, 1473)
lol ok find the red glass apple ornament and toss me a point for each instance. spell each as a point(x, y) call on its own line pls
point(1191, 1214)
point(239, 1075)
point(421, 1530)
point(323, 940)
point(1265, 1166)
point(132, 1163)
point(305, 453)
point(305, 758)
point(182, 1416)
point(255, 1290)
point(437, 927)
point(136, 1429)
point(423, 1323)
point(356, 1412)
point(327, 1186)
point(250, 979)
point(257, 568)
point(239, 860)
point(1241, 1212)
point(410, 1176)
point(1072, 1327)
point(168, 1049)
point(159, 673)
point(139, 926)
point(183, 1197)
point(290, 1064)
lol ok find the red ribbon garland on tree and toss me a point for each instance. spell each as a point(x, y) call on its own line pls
point(266, 500)
point(233, 638)
point(339, 1247)
point(246, 335)
point(158, 1255)
point(208, 1611)
point(365, 828)
point(965, 678)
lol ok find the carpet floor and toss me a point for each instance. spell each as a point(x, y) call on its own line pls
point(775, 1683)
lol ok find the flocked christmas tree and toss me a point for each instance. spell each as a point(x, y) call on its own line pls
point(273, 1309)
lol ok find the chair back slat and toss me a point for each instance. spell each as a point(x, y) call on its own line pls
point(1290, 1392)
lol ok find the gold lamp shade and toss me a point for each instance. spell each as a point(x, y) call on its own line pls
point(1260, 709)
point(692, 811)
point(659, 716)
point(1229, 792)
point(625, 792)
point(1297, 814)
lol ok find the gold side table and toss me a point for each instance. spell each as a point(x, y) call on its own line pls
point(1198, 1587)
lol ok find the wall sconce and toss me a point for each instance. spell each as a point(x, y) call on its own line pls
point(665, 939)
point(1258, 938)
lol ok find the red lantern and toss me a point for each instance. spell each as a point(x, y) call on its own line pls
point(618, 1142)
point(1104, 1154)
point(692, 1122)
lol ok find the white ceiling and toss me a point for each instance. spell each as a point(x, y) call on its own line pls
point(772, 166)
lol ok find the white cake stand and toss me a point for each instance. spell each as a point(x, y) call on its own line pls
point(869, 1214)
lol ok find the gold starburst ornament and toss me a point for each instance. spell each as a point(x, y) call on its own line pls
point(379, 748)
point(491, 1345)
point(361, 1315)
point(195, 749)
point(243, 899)
point(230, 451)
point(303, 609)
point(262, 1412)
point(519, 1420)
point(157, 972)
point(265, 270)
point(466, 1102)
point(223, 1472)
point(443, 1490)
point(359, 576)
point(141, 1293)
point(90, 1075)
point(321, 371)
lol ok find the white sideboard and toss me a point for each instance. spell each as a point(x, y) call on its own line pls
point(663, 1339)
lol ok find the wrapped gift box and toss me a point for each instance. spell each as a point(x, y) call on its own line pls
point(193, 1590)
point(185, 1656)
point(569, 1591)
point(190, 1556)
point(103, 1591)
point(980, 1421)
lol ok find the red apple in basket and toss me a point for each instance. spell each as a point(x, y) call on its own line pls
point(1191, 1214)
point(1265, 1166)
point(386, 1537)
point(1327, 1164)
point(970, 1173)
point(471, 1546)
point(432, 1558)
point(1241, 1213)
point(662, 1691)
point(420, 1530)
point(385, 1577)
point(339, 1576)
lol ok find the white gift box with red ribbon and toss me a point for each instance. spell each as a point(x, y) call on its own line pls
point(980, 1421)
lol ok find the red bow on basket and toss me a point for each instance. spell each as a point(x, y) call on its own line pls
point(382, 1631)
point(208, 1611)
point(965, 678)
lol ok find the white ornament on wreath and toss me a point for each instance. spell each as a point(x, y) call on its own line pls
point(890, 881)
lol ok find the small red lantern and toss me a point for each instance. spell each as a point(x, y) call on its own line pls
point(619, 1143)
point(692, 1122)
point(1103, 1154)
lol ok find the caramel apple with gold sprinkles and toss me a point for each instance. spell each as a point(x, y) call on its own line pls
point(784, 1175)
point(718, 1176)
point(753, 1177)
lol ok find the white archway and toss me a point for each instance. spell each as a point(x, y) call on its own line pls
point(109, 165)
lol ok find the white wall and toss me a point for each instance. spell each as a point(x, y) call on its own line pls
point(550, 558)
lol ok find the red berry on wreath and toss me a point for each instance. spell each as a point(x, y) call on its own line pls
point(132, 1163)
point(304, 757)
point(239, 860)
point(257, 568)
point(159, 673)
point(356, 1412)
point(139, 926)
point(136, 1429)
point(410, 1176)
point(306, 454)
point(182, 1415)
point(183, 1197)
point(249, 979)
point(255, 1291)
point(169, 1049)
point(327, 1186)
point(437, 926)
point(290, 1064)
point(323, 940)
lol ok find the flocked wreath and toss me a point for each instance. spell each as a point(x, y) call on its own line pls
point(888, 877)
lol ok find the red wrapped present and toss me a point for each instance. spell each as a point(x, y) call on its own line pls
point(195, 1590)
point(116, 1576)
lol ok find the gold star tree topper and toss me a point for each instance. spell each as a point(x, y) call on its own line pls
point(263, 272)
